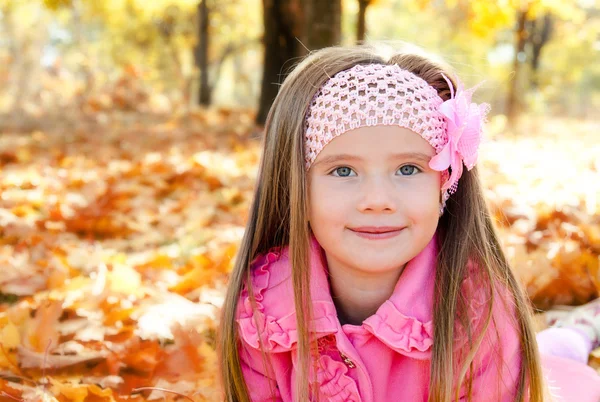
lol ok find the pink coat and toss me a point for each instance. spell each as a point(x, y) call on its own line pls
point(387, 358)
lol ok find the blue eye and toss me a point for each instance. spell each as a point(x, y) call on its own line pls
point(409, 170)
point(343, 171)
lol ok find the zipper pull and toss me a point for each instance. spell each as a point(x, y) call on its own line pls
point(346, 360)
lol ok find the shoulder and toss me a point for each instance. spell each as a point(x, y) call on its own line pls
point(494, 299)
point(481, 291)
point(498, 358)
point(270, 323)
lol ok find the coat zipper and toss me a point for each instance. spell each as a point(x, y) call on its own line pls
point(367, 387)
point(347, 360)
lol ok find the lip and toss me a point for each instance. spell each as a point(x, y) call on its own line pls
point(377, 232)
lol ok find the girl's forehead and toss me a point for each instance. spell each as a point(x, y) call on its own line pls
point(379, 140)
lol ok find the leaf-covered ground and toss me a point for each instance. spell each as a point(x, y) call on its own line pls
point(116, 239)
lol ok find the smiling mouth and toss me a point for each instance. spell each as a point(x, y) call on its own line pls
point(376, 230)
point(379, 233)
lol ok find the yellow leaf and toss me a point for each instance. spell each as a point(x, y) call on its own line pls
point(75, 393)
point(119, 258)
point(126, 280)
point(96, 390)
point(79, 282)
point(200, 261)
point(42, 332)
point(24, 155)
point(56, 279)
point(160, 261)
point(56, 4)
point(197, 277)
point(9, 336)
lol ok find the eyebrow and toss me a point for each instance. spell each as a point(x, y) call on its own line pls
point(348, 157)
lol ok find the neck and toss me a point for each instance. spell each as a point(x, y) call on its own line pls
point(357, 295)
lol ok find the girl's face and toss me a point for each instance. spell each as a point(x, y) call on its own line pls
point(374, 179)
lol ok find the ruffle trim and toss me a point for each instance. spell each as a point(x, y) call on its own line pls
point(277, 334)
point(405, 335)
point(334, 382)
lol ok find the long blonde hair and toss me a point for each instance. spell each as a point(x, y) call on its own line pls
point(278, 217)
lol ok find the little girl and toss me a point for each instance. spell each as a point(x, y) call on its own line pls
point(370, 269)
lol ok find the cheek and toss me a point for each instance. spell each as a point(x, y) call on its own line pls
point(325, 201)
point(425, 200)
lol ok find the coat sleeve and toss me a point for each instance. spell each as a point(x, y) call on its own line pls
point(497, 363)
point(261, 385)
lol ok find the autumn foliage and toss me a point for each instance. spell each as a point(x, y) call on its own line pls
point(116, 242)
point(117, 237)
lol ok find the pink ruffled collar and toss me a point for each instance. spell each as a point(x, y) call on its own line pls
point(404, 322)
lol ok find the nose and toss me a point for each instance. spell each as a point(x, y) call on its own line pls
point(378, 194)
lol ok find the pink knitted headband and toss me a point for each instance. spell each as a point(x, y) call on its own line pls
point(378, 94)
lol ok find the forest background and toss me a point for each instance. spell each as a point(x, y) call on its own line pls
point(129, 142)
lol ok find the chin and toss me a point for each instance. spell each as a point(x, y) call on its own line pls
point(376, 265)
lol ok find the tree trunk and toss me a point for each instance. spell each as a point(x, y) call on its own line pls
point(323, 25)
point(540, 35)
point(513, 103)
point(292, 29)
point(204, 93)
point(361, 21)
point(281, 30)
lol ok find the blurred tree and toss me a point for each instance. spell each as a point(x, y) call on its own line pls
point(513, 104)
point(533, 30)
point(179, 42)
point(292, 28)
point(282, 27)
point(361, 24)
point(24, 34)
point(532, 22)
point(56, 4)
point(203, 49)
point(540, 32)
point(202, 53)
point(322, 23)
point(91, 44)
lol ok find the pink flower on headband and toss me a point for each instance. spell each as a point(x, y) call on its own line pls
point(464, 127)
